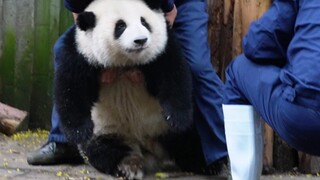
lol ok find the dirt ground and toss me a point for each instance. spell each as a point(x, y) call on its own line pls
point(13, 165)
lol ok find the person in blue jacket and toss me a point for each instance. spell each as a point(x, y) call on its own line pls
point(189, 19)
point(277, 76)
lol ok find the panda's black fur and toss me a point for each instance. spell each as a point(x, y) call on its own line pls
point(167, 79)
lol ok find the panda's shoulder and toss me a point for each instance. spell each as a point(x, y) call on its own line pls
point(68, 55)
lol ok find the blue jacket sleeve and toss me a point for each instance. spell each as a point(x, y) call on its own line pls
point(76, 6)
point(268, 38)
point(167, 5)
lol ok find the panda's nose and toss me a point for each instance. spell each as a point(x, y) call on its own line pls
point(140, 41)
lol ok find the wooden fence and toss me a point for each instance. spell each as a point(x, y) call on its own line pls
point(28, 31)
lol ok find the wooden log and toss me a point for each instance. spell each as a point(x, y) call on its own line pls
point(10, 118)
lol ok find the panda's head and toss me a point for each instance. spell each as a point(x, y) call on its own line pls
point(120, 33)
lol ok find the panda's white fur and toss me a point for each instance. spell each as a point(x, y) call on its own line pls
point(99, 45)
point(128, 109)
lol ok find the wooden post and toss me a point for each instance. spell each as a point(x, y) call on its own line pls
point(220, 34)
point(308, 163)
point(245, 11)
point(268, 150)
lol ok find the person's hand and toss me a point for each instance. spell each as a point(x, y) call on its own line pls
point(171, 15)
point(135, 76)
point(75, 16)
point(108, 76)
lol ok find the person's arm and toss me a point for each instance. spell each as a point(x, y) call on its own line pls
point(75, 16)
point(170, 10)
point(76, 6)
point(268, 38)
point(171, 15)
point(167, 5)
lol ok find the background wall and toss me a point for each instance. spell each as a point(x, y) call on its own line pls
point(28, 30)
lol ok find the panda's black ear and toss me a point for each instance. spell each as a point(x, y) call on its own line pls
point(86, 20)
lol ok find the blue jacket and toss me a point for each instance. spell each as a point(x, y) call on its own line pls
point(290, 31)
point(78, 6)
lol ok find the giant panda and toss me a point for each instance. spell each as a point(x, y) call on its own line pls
point(127, 129)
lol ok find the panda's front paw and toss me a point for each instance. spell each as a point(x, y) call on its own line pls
point(178, 120)
point(80, 133)
point(131, 167)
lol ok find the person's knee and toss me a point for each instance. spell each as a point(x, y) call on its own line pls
point(233, 66)
point(231, 92)
point(239, 62)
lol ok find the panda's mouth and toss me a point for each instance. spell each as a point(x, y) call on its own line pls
point(135, 50)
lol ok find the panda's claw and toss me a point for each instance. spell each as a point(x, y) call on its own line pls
point(131, 167)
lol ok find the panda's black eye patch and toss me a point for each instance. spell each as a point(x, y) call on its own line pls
point(145, 24)
point(119, 28)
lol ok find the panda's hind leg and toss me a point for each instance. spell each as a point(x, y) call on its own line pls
point(131, 167)
point(107, 152)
